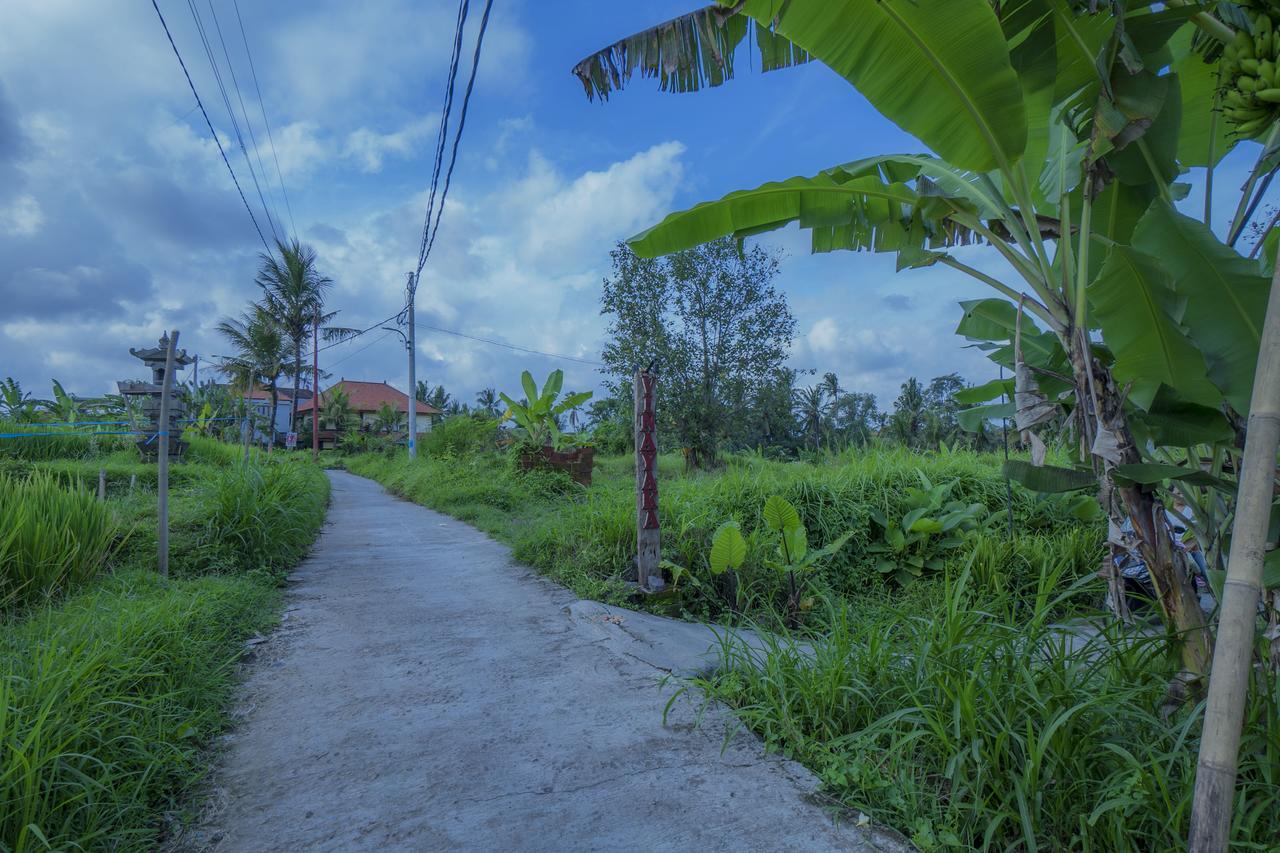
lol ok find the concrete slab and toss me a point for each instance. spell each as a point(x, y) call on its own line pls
point(428, 693)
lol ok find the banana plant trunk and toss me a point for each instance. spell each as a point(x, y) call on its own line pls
point(1111, 440)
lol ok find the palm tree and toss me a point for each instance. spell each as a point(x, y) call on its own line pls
point(387, 419)
point(811, 406)
point(16, 403)
point(261, 354)
point(830, 386)
point(293, 293)
point(488, 401)
point(336, 410)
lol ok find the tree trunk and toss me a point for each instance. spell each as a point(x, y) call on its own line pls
point(1229, 685)
point(1112, 442)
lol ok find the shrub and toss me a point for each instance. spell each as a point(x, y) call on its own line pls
point(460, 435)
point(51, 537)
point(107, 702)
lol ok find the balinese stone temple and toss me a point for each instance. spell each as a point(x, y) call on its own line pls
point(154, 358)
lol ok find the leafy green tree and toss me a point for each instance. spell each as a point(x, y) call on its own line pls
point(710, 321)
point(910, 414)
point(387, 420)
point(261, 354)
point(335, 411)
point(293, 292)
point(488, 403)
point(856, 418)
point(811, 408)
point(16, 403)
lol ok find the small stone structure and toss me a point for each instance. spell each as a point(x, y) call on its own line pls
point(154, 358)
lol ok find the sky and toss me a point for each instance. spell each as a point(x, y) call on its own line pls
point(118, 218)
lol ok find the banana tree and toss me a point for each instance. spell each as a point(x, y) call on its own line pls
point(1058, 135)
point(538, 414)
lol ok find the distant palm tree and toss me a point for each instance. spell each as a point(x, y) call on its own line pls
point(336, 410)
point(387, 419)
point(488, 402)
point(830, 386)
point(811, 406)
point(293, 293)
point(261, 354)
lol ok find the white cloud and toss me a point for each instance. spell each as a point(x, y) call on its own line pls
point(22, 217)
point(368, 147)
point(824, 335)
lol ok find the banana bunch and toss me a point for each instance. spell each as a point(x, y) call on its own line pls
point(1251, 98)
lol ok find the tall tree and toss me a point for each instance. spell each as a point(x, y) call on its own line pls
point(261, 355)
point(811, 407)
point(487, 401)
point(910, 412)
point(710, 321)
point(293, 292)
point(856, 417)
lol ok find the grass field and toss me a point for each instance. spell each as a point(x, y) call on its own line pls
point(114, 680)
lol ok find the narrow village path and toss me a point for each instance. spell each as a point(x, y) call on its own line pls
point(425, 692)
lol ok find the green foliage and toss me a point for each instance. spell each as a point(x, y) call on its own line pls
point(931, 526)
point(53, 442)
point(585, 538)
point(256, 517)
point(977, 722)
point(54, 536)
point(460, 436)
point(108, 702)
point(537, 416)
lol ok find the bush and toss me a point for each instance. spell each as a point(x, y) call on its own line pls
point(460, 435)
point(107, 702)
point(979, 724)
point(51, 537)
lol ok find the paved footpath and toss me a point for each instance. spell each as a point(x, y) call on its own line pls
point(425, 692)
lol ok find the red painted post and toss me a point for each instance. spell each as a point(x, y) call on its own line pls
point(315, 391)
point(648, 527)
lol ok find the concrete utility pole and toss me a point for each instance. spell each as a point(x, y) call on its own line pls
point(648, 527)
point(411, 343)
point(315, 391)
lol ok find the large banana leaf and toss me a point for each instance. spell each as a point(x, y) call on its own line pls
point(1202, 131)
point(843, 211)
point(1134, 304)
point(939, 69)
point(1223, 296)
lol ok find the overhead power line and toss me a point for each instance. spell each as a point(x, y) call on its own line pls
point(263, 107)
point(462, 123)
point(512, 346)
point(212, 132)
point(226, 100)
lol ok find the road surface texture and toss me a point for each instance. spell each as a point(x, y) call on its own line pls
point(425, 692)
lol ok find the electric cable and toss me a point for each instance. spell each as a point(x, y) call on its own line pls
point(212, 132)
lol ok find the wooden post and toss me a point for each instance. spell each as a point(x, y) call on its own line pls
point(648, 529)
point(162, 478)
point(102, 484)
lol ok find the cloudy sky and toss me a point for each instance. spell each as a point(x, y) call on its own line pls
point(118, 218)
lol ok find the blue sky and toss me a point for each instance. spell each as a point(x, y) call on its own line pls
point(118, 218)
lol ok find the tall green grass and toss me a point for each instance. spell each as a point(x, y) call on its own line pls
point(107, 702)
point(44, 442)
point(980, 724)
point(53, 536)
point(585, 538)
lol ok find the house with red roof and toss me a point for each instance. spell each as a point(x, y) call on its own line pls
point(364, 399)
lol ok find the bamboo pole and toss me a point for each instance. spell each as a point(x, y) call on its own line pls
point(102, 484)
point(1237, 626)
point(162, 478)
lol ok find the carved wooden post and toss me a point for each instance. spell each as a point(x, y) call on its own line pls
point(648, 531)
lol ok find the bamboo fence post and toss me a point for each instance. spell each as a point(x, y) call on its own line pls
point(102, 484)
point(162, 476)
point(133, 482)
point(1237, 626)
point(648, 529)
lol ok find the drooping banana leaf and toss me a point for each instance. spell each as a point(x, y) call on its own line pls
point(972, 419)
point(843, 212)
point(1048, 478)
point(994, 319)
point(1149, 473)
point(1201, 129)
point(1223, 296)
point(1133, 303)
point(939, 69)
point(1171, 421)
point(984, 392)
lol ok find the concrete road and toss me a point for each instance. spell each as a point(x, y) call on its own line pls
point(425, 692)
